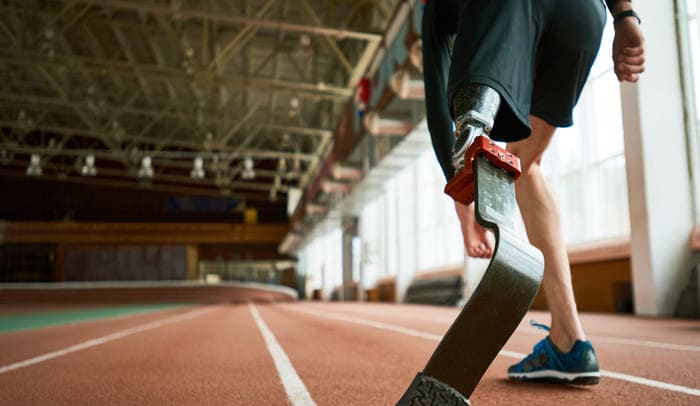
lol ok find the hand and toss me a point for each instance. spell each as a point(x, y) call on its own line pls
point(628, 50)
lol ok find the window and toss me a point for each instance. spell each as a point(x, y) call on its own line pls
point(321, 260)
point(439, 240)
point(410, 225)
point(690, 45)
point(371, 235)
point(585, 164)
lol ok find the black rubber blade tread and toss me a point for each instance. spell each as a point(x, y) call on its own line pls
point(503, 296)
point(426, 391)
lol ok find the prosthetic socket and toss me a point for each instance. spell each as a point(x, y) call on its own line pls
point(475, 107)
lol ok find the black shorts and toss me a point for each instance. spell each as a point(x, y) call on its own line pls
point(536, 53)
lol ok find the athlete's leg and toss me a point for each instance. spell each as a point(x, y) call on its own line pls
point(474, 107)
point(542, 221)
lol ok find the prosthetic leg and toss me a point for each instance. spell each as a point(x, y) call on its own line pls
point(486, 176)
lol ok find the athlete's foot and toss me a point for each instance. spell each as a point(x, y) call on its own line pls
point(565, 338)
point(549, 363)
point(476, 237)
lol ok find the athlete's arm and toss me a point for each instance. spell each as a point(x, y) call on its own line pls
point(628, 45)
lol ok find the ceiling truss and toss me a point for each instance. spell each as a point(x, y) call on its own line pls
point(224, 80)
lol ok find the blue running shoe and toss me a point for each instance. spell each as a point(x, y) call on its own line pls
point(547, 364)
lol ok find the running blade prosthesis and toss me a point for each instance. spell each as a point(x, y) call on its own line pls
point(504, 294)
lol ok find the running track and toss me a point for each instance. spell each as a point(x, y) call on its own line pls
point(320, 353)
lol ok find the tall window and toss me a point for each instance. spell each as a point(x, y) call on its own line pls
point(439, 240)
point(690, 45)
point(321, 260)
point(371, 231)
point(586, 163)
point(410, 225)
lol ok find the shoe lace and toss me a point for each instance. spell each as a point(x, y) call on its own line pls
point(540, 326)
point(540, 346)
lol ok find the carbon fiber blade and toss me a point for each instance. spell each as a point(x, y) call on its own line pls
point(503, 296)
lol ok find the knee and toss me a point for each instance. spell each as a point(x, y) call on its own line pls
point(529, 160)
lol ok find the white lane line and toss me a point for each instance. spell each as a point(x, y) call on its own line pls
point(505, 353)
point(375, 324)
point(645, 343)
point(526, 330)
point(437, 320)
point(102, 340)
point(293, 385)
point(631, 341)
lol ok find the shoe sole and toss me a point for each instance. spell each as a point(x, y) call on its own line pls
point(583, 380)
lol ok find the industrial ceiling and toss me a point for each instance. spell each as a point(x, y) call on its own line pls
point(237, 98)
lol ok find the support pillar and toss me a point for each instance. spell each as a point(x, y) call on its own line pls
point(350, 287)
point(657, 160)
point(192, 261)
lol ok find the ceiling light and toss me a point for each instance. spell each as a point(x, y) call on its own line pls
point(25, 122)
point(197, 168)
point(34, 168)
point(146, 170)
point(273, 194)
point(248, 170)
point(88, 168)
point(282, 165)
point(305, 50)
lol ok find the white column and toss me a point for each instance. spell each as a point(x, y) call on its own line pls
point(348, 253)
point(659, 184)
point(406, 208)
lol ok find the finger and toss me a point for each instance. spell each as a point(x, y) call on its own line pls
point(474, 252)
point(624, 68)
point(632, 60)
point(486, 251)
point(633, 51)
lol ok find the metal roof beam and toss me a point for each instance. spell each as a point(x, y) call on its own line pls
point(102, 66)
point(130, 184)
point(232, 153)
point(164, 113)
point(219, 17)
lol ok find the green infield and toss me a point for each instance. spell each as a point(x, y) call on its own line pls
point(26, 321)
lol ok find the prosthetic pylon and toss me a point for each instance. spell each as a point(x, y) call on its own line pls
point(504, 294)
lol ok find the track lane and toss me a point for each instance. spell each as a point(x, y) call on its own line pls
point(215, 359)
point(638, 360)
point(682, 332)
point(221, 358)
point(23, 344)
point(496, 375)
point(342, 364)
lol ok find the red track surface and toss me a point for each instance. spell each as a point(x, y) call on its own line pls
point(345, 354)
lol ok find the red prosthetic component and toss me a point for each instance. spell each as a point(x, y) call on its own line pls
point(461, 186)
